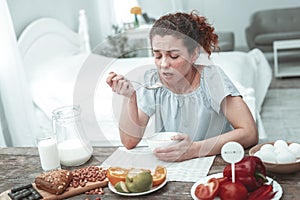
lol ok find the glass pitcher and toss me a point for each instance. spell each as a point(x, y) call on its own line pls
point(73, 146)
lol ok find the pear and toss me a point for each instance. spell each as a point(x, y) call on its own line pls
point(139, 180)
point(121, 187)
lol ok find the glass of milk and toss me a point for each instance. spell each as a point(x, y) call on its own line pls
point(47, 147)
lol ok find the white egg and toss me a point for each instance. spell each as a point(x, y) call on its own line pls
point(267, 156)
point(257, 153)
point(295, 149)
point(280, 144)
point(280, 149)
point(267, 147)
point(285, 156)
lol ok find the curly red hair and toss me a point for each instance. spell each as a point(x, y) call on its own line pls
point(192, 28)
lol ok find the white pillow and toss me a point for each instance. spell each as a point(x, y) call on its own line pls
point(52, 83)
point(236, 65)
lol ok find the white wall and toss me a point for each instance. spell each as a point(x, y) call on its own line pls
point(25, 11)
point(156, 8)
point(225, 15)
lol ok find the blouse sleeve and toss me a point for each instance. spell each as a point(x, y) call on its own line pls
point(218, 86)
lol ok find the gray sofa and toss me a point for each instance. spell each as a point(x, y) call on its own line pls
point(267, 26)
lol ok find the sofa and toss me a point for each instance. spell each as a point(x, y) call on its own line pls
point(267, 26)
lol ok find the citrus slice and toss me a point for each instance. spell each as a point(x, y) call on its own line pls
point(159, 175)
point(116, 174)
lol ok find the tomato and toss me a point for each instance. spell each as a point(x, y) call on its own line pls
point(207, 191)
point(233, 191)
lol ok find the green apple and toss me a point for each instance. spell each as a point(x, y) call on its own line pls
point(138, 180)
point(121, 187)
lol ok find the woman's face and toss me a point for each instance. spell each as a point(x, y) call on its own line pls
point(172, 58)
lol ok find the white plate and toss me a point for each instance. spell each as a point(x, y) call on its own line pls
point(276, 186)
point(112, 188)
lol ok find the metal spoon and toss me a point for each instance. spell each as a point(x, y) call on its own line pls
point(149, 87)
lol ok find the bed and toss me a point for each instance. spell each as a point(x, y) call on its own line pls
point(60, 73)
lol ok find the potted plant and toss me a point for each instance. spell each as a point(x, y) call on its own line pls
point(117, 45)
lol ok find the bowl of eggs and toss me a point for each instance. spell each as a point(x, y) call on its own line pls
point(279, 156)
point(161, 139)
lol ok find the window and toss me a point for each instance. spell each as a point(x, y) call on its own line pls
point(122, 11)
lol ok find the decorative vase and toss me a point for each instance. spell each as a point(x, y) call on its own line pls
point(136, 21)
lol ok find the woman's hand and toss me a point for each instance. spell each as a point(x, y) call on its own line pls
point(119, 84)
point(178, 152)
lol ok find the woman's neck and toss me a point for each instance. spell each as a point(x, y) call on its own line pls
point(187, 84)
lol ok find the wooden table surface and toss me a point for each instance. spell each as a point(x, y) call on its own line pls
point(19, 166)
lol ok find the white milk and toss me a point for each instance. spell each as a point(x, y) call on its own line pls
point(73, 153)
point(48, 154)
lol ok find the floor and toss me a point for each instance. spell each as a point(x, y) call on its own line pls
point(281, 110)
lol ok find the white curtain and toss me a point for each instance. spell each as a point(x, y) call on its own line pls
point(117, 15)
point(2, 138)
point(106, 17)
point(15, 95)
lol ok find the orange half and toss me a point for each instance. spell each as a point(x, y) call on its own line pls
point(116, 174)
point(159, 175)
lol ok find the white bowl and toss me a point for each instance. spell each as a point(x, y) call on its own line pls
point(161, 139)
point(277, 168)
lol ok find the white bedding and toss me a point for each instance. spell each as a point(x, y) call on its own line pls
point(54, 86)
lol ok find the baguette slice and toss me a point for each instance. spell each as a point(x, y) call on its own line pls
point(54, 182)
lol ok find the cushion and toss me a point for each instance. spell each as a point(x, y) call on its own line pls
point(276, 20)
point(268, 38)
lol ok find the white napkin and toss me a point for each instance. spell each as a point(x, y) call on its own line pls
point(142, 157)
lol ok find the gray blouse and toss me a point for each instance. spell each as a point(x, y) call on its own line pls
point(198, 113)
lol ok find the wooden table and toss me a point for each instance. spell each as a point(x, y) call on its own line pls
point(20, 166)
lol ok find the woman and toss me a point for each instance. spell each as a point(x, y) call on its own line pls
point(199, 102)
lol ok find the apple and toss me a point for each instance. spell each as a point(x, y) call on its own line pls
point(138, 180)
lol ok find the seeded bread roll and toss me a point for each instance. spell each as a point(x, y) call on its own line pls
point(54, 182)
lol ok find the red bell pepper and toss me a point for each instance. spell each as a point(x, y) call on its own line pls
point(207, 191)
point(250, 171)
point(222, 180)
point(264, 192)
